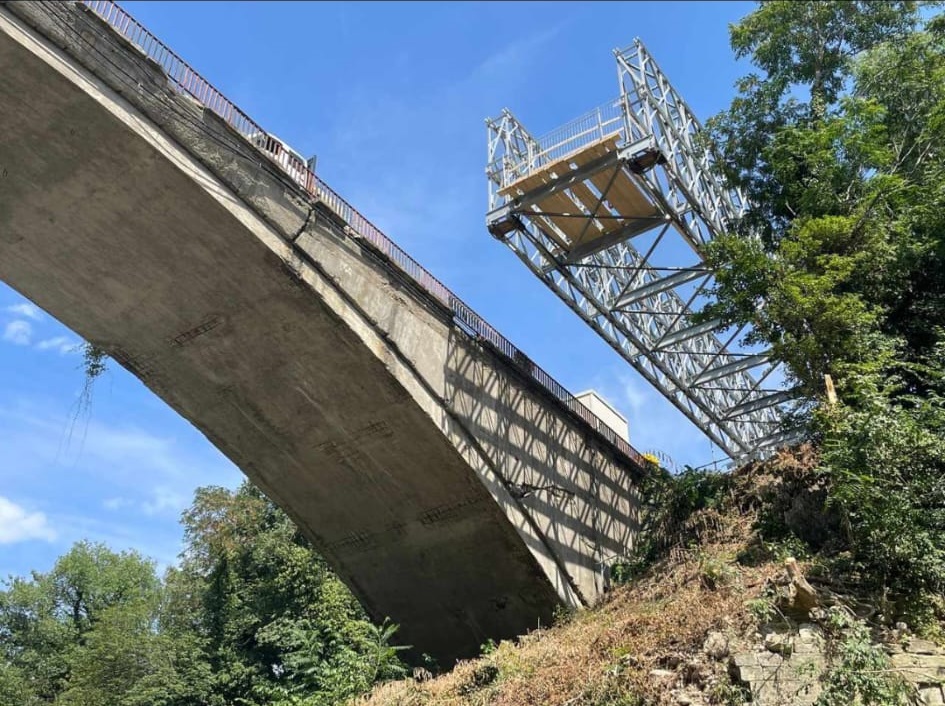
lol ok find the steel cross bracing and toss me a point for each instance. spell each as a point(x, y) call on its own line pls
point(612, 211)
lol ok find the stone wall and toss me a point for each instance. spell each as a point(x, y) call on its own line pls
point(785, 668)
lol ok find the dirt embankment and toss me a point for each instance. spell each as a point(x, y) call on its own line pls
point(722, 616)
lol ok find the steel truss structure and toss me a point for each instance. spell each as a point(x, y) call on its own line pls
point(612, 211)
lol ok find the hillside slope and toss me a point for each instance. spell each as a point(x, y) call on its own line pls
point(723, 616)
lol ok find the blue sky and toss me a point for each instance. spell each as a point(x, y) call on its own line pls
point(392, 98)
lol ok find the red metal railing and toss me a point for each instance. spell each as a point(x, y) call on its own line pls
point(189, 81)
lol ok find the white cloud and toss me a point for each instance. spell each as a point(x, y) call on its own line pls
point(112, 451)
point(116, 503)
point(165, 500)
point(19, 525)
point(514, 58)
point(159, 541)
point(30, 311)
point(633, 396)
point(18, 332)
point(105, 480)
point(61, 344)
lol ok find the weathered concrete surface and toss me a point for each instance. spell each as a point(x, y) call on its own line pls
point(447, 490)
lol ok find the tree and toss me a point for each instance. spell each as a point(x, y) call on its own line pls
point(839, 264)
point(86, 632)
point(252, 616)
point(885, 458)
point(15, 687)
point(275, 622)
point(811, 43)
point(769, 139)
point(33, 639)
point(842, 188)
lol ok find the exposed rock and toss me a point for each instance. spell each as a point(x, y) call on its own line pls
point(716, 645)
point(798, 597)
point(932, 696)
point(923, 647)
point(785, 671)
point(810, 638)
point(808, 517)
point(920, 668)
point(779, 644)
point(662, 676)
point(689, 698)
point(793, 492)
point(696, 672)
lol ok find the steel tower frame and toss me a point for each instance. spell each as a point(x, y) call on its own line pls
point(593, 208)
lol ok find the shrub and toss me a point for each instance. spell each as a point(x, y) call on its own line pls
point(885, 460)
point(858, 671)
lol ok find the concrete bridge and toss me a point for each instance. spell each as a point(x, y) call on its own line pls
point(451, 483)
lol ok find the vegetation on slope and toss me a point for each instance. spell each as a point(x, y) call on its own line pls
point(709, 582)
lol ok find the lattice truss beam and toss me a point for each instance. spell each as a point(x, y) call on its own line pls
point(612, 211)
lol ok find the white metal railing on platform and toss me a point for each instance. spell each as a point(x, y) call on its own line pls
point(585, 130)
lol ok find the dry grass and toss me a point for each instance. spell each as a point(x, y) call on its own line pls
point(604, 656)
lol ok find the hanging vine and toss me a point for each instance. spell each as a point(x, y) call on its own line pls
point(94, 363)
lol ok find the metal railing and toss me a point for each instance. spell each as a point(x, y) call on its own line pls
point(604, 121)
point(580, 132)
point(189, 81)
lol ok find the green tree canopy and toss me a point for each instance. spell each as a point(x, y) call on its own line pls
point(276, 623)
point(83, 633)
point(251, 616)
point(838, 264)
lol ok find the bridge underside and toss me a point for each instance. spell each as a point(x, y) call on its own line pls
point(390, 437)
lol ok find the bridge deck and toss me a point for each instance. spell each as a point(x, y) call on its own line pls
point(406, 449)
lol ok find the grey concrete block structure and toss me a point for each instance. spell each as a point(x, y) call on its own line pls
point(450, 492)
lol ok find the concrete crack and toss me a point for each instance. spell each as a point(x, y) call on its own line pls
point(301, 229)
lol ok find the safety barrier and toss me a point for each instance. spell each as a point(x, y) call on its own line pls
point(604, 121)
point(189, 81)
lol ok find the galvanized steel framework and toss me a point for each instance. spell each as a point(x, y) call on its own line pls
point(612, 211)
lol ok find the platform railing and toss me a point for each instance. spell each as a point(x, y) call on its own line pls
point(605, 121)
point(580, 132)
point(188, 80)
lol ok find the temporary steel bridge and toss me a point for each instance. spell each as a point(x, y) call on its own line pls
point(612, 212)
